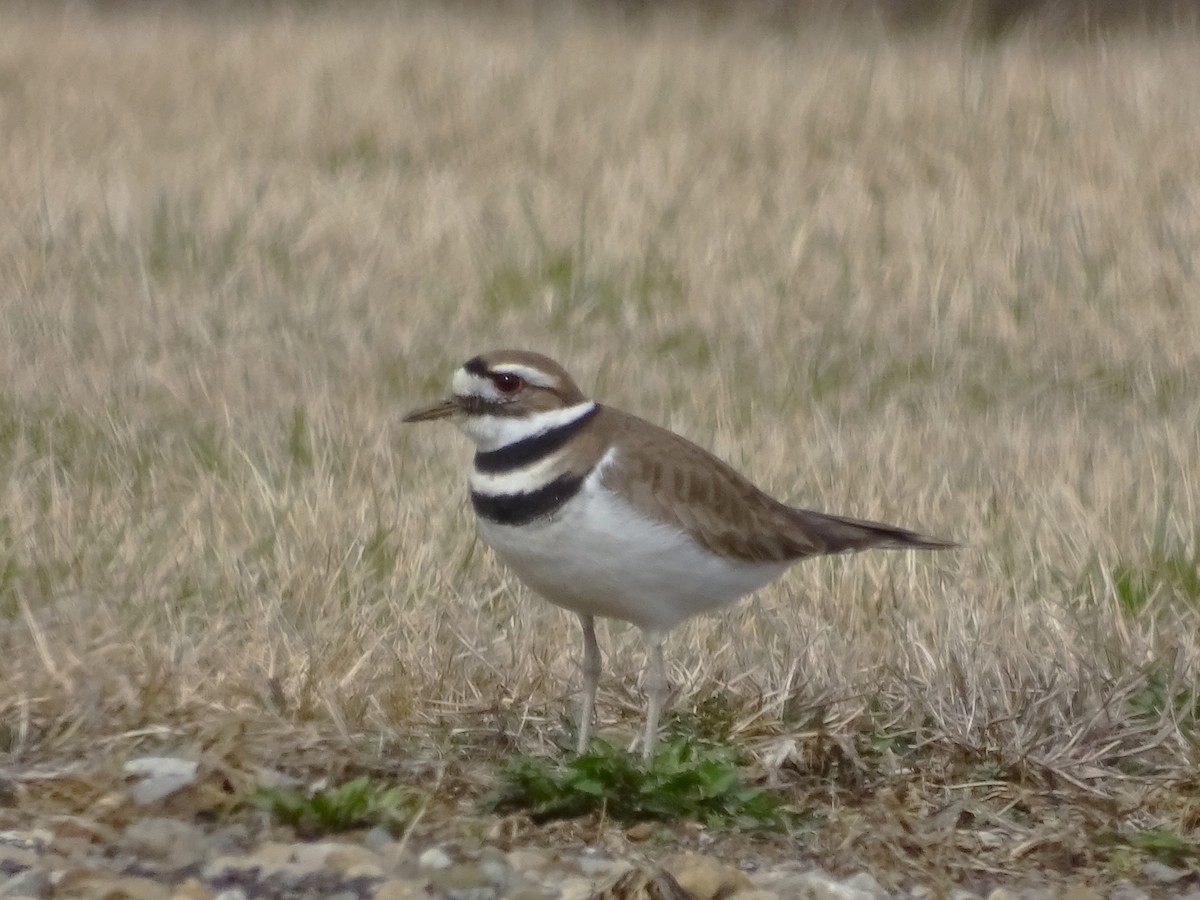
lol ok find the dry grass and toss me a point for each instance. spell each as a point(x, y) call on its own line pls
point(954, 288)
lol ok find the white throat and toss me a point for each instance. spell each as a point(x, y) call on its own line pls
point(493, 432)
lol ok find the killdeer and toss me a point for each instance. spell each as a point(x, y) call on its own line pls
point(606, 514)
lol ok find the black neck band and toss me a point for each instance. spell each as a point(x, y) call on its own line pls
point(531, 449)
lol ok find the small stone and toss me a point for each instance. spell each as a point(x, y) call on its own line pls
point(818, 885)
point(1125, 890)
point(156, 777)
point(344, 857)
point(433, 859)
point(396, 889)
point(130, 888)
point(79, 828)
point(963, 894)
point(69, 881)
point(575, 889)
point(398, 861)
point(1002, 894)
point(219, 867)
point(755, 894)
point(1162, 873)
point(72, 849)
point(181, 843)
point(231, 894)
point(530, 860)
point(498, 872)
point(532, 892)
point(377, 838)
point(490, 853)
point(597, 866)
point(706, 878)
point(641, 831)
point(30, 883)
point(275, 853)
point(37, 839)
point(784, 878)
point(370, 871)
point(14, 858)
point(865, 882)
point(457, 879)
point(234, 838)
point(310, 855)
point(191, 890)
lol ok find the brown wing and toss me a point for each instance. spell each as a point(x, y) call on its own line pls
point(670, 478)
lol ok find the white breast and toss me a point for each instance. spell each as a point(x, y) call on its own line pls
point(598, 556)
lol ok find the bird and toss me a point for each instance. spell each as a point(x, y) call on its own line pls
point(609, 515)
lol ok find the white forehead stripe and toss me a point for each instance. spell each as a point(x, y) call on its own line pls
point(465, 384)
point(530, 374)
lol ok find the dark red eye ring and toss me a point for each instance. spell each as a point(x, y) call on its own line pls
point(507, 382)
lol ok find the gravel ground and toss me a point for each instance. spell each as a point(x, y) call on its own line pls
point(158, 857)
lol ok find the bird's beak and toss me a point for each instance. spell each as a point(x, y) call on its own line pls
point(439, 410)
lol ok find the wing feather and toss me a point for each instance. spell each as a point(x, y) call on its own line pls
point(668, 477)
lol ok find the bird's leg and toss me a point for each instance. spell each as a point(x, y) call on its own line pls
point(656, 691)
point(591, 678)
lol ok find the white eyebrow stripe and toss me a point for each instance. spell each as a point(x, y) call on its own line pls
point(466, 384)
point(530, 374)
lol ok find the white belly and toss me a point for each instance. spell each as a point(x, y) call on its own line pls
point(598, 556)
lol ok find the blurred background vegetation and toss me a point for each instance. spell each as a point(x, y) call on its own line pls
point(985, 20)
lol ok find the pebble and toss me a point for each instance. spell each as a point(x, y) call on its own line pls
point(395, 889)
point(1126, 890)
point(865, 882)
point(191, 889)
point(277, 853)
point(377, 838)
point(597, 866)
point(1162, 873)
point(179, 843)
point(641, 831)
point(706, 878)
point(433, 859)
point(309, 856)
point(530, 860)
point(345, 857)
point(576, 888)
point(13, 857)
point(30, 883)
point(819, 885)
point(460, 878)
point(157, 777)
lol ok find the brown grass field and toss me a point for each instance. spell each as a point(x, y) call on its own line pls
point(950, 286)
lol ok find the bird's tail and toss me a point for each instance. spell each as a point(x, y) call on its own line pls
point(840, 534)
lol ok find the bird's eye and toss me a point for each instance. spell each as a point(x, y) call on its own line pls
point(507, 382)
